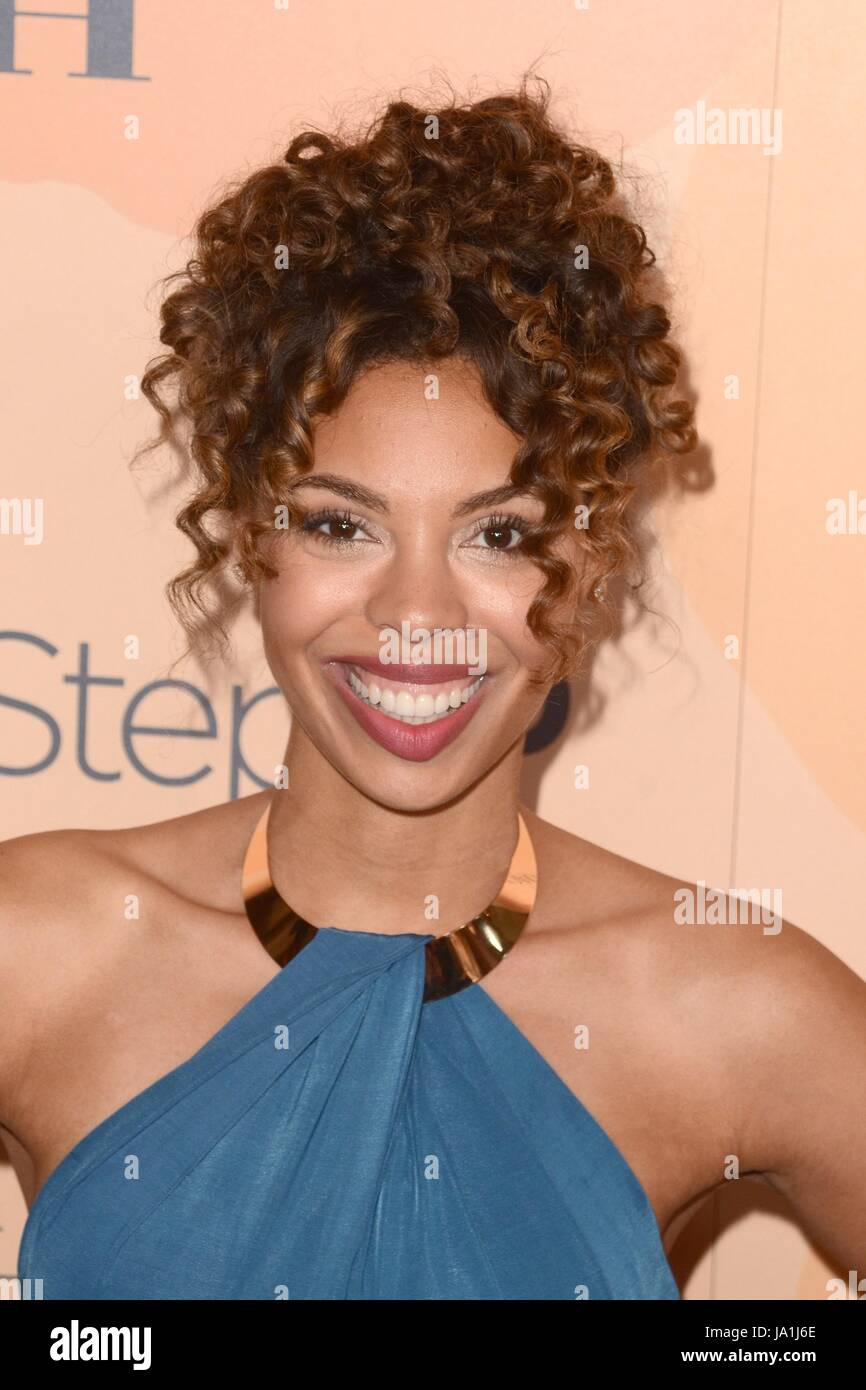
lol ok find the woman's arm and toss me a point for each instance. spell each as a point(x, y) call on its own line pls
point(802, 1049)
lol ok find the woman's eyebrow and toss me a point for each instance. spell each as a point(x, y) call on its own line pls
point(366, 497)
point(494, 498)
point(353, 492)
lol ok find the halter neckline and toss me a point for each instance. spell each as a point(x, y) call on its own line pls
point(453, 961)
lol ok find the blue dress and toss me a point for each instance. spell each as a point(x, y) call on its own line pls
point(339, 1138)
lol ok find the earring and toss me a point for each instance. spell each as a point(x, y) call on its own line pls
point(599, 592)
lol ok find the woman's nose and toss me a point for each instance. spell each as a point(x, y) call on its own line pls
point(421, 590)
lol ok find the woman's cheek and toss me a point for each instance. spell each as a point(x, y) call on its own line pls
point(303, 600)
point(502, 605)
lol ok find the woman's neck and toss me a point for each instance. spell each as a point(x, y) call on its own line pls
point(341, 859)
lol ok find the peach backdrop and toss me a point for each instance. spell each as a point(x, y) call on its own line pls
point(742, 771)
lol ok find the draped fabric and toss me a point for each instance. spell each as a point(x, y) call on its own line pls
point(339, 1138)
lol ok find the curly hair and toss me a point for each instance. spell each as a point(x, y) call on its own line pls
point(476, 230)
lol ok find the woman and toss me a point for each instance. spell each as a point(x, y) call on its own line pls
point(425, 374)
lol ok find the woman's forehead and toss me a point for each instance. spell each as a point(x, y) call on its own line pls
point(411, 418)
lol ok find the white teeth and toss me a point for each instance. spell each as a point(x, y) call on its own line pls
point(413, 709)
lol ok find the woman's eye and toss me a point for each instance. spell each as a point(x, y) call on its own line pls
point(337, 530)
point(334, 528)
point(504, 536)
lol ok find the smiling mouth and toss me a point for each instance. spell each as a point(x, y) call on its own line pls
point(412, 711)
point(415, 704)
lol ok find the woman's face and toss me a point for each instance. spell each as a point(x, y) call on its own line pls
point(394, 538)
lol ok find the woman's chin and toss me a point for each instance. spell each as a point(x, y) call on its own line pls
point(409, 786)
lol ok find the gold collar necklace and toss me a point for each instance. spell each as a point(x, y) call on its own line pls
point(451, 962)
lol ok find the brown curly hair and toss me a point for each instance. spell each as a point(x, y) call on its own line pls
point(449, 232)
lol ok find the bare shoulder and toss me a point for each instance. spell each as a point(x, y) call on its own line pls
point(62, 874)
point(745, 1018)
point(64, 894)
point(196, 857)
point(50, 888)
point(726, 952)
point(669, 988)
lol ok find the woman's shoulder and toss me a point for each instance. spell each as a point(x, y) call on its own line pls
point(68, 870)
point(67, 894)
point(724, 957)
point(680, 924)
point(721, 985)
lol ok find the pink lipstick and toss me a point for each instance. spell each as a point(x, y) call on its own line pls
point(412, 711)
